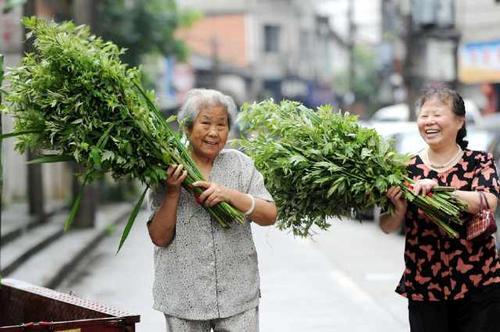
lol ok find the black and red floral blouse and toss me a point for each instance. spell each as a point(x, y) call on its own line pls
point(437, 266)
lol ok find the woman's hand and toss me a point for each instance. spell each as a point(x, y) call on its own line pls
point(264, 213)
point(213, 193)
point(162, 226)
point(395, 194)
point(423, 186)
point(176, 174)
point(390, 223)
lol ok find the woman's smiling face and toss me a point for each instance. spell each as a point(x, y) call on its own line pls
point(209, 132)
point(437, 123)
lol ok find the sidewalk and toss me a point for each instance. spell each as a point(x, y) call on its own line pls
point(42, 254)
point(301, 289)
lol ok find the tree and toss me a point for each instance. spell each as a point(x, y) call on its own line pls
point(143, 27)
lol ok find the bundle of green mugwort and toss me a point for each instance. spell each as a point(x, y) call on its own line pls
point(72, 96)
point(320, 164)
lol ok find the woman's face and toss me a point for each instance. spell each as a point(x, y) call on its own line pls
point(208, 136)
point(437, 123)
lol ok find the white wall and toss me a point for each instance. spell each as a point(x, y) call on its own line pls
point(478, 20)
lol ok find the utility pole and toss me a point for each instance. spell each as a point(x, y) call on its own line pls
point(409, 75)
point(215, 61)
point(36, 197)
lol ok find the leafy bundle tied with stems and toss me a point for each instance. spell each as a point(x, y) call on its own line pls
point(320, 164)
point(73, 97)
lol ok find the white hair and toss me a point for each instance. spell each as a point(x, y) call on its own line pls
point(199, 99)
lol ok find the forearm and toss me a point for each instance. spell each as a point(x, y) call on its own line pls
point(264, 212)
point(390, 223)
point(162, 226)
point(471, 198)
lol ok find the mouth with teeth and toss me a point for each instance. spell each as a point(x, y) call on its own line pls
point(430, 133)
point(211, 143)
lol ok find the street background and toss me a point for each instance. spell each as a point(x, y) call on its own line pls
point(368, 57)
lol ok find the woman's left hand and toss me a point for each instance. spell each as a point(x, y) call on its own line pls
point(213, 193)
point(424, 186)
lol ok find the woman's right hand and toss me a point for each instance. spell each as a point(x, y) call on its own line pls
point(176, 174)
point(395, 194)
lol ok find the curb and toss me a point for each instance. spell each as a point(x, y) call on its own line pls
point(64, 271)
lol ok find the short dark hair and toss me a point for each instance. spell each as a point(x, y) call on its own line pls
point(452, 98)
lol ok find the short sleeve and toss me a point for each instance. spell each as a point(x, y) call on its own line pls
point(253, 181)
point(485, 177)
point(154, 198)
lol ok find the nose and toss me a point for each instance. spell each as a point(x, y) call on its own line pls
point(212, 131)
point(430, 121)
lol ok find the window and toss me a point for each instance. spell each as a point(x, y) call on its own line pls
point(271, 38)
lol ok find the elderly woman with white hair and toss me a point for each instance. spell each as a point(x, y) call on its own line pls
point(207, 277)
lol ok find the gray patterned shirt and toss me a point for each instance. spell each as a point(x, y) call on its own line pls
point(208, 272)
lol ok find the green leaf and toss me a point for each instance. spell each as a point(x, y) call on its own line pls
point(74, 210)
point(171, 118)
point(107, 155)
point(51, 159)
point(131, 220)
point(19, 133)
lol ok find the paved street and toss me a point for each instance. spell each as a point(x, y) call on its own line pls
point(342, 280)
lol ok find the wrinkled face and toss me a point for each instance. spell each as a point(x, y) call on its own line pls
point(209, 132)
point(437, 123)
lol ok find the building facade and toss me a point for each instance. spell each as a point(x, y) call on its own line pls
point(273, 48)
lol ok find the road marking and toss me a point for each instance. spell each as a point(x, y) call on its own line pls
point(358, 294)
point(382, 276)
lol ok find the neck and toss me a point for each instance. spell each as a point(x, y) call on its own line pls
point(442, 159)
point(441, 155)
point(204, 163)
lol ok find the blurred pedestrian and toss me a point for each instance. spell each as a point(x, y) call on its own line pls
point(207, 277)
point(451, 284)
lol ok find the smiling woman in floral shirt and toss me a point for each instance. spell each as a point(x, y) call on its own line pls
point(207, 277)
point(452, 285)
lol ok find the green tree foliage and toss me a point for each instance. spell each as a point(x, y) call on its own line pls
point(143, 27)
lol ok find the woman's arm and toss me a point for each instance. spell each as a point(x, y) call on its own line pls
point(471, 198)
point(264, 212)
point(390, 223)
point(162, 226)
